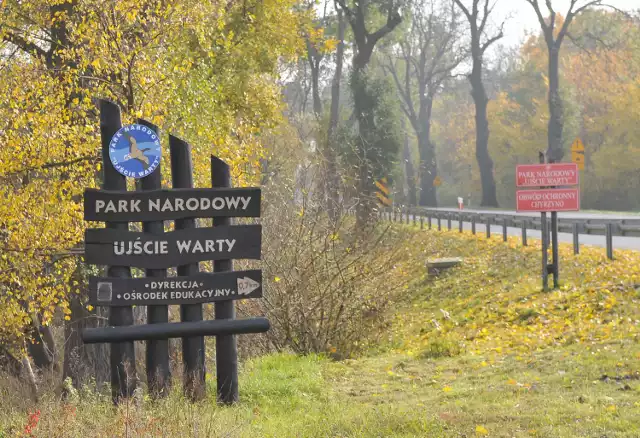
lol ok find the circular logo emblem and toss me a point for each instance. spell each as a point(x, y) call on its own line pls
point(135, 151)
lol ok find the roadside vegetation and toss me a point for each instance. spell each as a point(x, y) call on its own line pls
point(477, 351)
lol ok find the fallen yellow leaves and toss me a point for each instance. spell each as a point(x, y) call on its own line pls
point(494, 305)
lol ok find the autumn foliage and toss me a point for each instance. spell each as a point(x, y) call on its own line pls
point(203, 70)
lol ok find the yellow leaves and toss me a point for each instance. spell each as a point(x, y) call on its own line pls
point(447, 389)
point(217, 95)
point(611, 408)
point(276, 279)
point(481, 431)
point(502, 309)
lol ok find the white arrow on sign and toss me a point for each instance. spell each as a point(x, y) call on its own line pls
point(247, 285)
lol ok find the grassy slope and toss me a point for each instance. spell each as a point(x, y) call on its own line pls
point(478, 351)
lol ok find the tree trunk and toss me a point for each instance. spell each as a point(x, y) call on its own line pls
point(43, 347)
point(485, 163)
point(428, 166)
point(314, 64)
point(83, 362)
point(555, 151)
point(330, 150)
point(408, 168)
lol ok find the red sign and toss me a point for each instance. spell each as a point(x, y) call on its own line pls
point(553, 174)
point(548, 200)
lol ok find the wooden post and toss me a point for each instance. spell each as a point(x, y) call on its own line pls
point(504, 229)
point(421, 222)
point(523, 225)
point(226, 347)
point(609, 238)
point(576, 240)
point(488, 230)
point(192, 347)
point(439, 223)
point(449, 221)
point(473, 224)
point(545, 256)
point(460, 222)
point(429, 220)
point(555, 250)
point(157, 353)
point(123, 358)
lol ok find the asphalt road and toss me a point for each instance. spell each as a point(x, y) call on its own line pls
point(619, 242)
point(568, 215)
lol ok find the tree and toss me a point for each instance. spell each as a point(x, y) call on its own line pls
point(428, 53)
point(370, 147)
point(554, 31)
point(330, 149)
point(205, 70)
point(480, 42)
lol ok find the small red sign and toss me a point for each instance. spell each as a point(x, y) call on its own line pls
point(552, 174)
point(548, 200)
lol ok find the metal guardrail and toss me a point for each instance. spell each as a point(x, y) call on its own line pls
point(575, 226)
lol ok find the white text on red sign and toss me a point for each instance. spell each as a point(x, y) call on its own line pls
point(541, 175)
point(548, 200)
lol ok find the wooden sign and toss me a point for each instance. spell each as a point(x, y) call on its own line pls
point(548, 200)
point(154, 205)
point(541, 175)
point(105, 246)
point(194, 289)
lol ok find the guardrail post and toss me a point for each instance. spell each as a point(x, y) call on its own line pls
point(414, 218)
point(609, 238)
point(488, 226)
point(395, 214)
point(523, 226)
point(504, 229)
point(439, 222)
point(429, 219)
point(421, 222)
point(449, 221)
point(408, 215)
point(473, 224)
point(576, 239)
point(460, 222)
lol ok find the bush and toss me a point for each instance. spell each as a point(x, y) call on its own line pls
point(327, 285)
point(441, 347)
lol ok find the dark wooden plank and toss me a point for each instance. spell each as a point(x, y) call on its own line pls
point(184, 330)
point(170, 204)
point(226, 345)
point(193, 347)
point(192, 289)
point(157, 352)
point(109, 247)
point(123, 357)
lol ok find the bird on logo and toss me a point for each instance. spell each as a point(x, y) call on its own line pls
point(136, 153)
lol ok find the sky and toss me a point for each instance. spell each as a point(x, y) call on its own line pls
point(520, 16)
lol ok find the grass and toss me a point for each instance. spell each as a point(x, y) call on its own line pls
point(477, 351)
